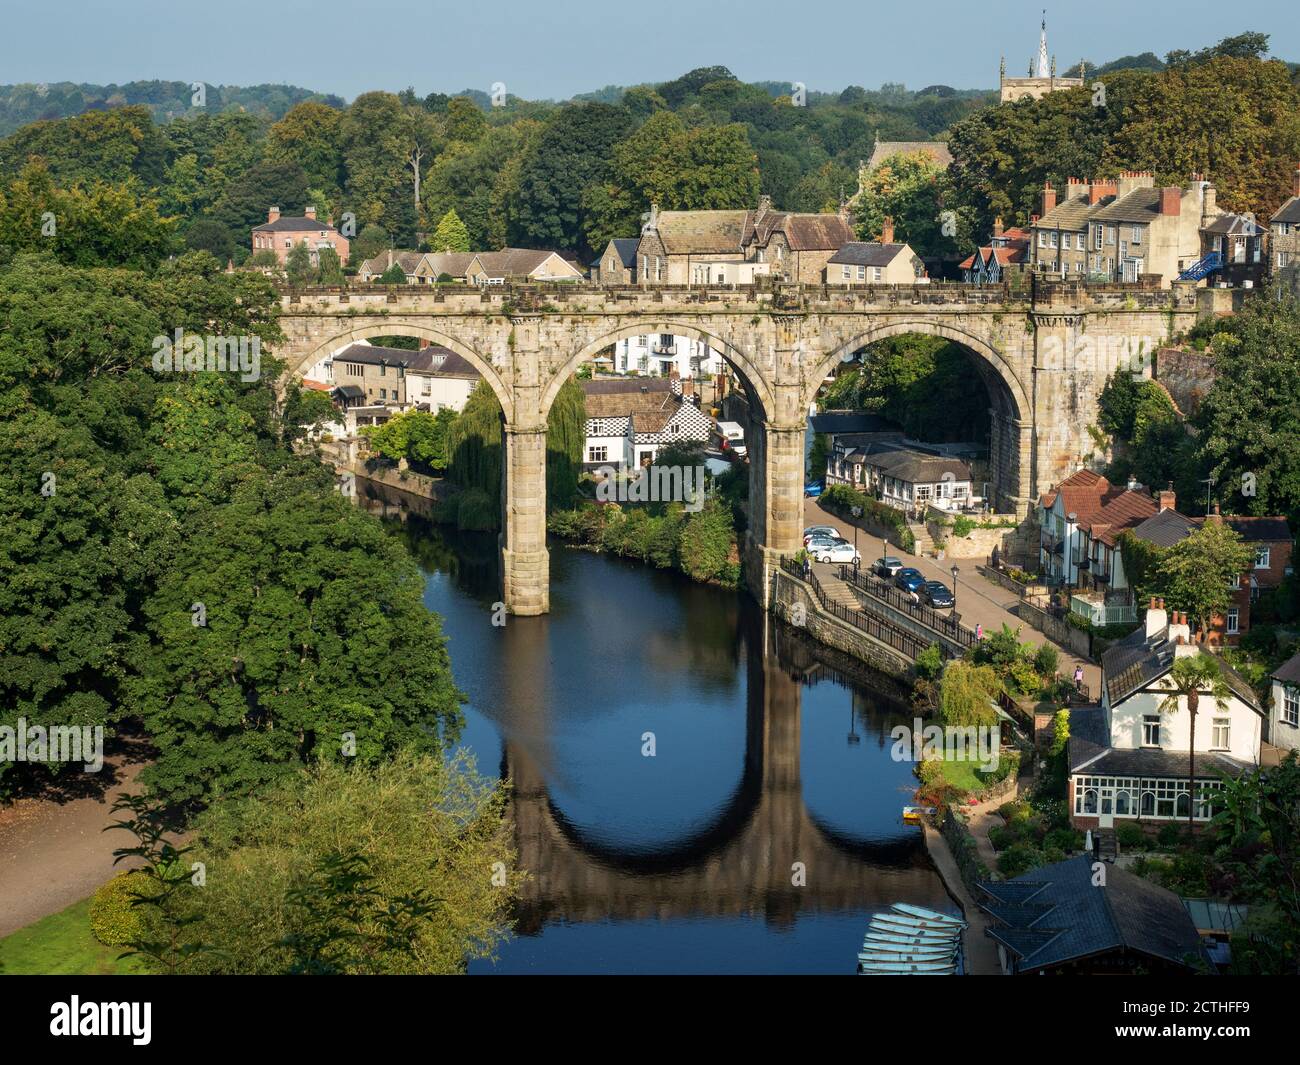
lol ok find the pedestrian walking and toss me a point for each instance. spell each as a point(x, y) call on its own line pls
point(1078, 678)
point(979, 630)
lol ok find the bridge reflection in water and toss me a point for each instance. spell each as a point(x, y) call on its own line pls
point(683, 861)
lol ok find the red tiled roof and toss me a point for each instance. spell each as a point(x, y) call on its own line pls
point(1102, 510)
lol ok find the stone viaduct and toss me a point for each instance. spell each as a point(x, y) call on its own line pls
point(1044, 357)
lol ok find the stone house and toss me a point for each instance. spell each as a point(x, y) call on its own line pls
point(1284, 227)
point(617, 263)
point(1241, 245)
point(414, 264)
point(899, 472)
point(1129, 757)
point(1122, 230)
point(433, 376)
point(1005, 253)
point(797, 247)
point(519, 264)
point(681, 247)
point(279, 233)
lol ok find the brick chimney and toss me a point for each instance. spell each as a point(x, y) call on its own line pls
point(309, 212)
point(1214, 517)
point(1171, 200)
point(1166, 498)
point(1099, 190)
point(1295, 182)
point(1048, 197)
point(273, 214)
point(997, 226)
point(887, 231)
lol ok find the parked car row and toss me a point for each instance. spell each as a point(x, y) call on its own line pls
point(914, 583)
point(824, 543)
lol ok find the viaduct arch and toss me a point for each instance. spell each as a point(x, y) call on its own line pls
point(1045, 357)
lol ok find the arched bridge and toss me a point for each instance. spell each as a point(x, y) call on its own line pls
point(1044, 356)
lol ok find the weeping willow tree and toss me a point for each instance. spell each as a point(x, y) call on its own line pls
point(565, 437)
point(475, 444)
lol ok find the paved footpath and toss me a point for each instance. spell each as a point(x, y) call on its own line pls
point(979, 600)
point(54, 853)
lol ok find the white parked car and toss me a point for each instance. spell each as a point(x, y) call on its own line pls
point(840, 551)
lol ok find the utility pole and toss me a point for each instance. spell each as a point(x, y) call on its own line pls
point(1209, 486)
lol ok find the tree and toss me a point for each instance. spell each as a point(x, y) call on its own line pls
point(398, 866)
point(565, 436)
point(309, 137)
point(1188, 678)
point(474, 442)
point(451, 234)
point(966, 691)
point(370, 242)
point(297, 264)
point(207, 234)
point(573, 150)
point(1257, 384)
point(1198, 573)
point(330, 269)
point(394, 275)
point(464, 120)
point(914, 191)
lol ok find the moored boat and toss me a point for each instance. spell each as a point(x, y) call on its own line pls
point(923, 914)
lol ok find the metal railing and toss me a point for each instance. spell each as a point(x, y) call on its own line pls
point(900, 640)
point(949, 625)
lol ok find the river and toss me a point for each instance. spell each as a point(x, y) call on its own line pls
point(694, 792)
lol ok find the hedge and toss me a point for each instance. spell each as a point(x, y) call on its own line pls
point(113, 920)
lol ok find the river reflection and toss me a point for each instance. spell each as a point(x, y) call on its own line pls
point(764, 762)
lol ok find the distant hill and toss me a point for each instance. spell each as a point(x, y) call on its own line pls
point(21, 104)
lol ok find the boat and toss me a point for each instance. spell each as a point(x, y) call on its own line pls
point(911, 924)
point(915, 813)
point(886, 952)
point(908, 910)
point(907, 968)
point(913, 930)
point(888, 939)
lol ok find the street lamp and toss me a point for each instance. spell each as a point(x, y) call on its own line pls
point(857, 513)
point(954, 594)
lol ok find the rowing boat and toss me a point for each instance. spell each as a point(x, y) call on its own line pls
point(923, 914)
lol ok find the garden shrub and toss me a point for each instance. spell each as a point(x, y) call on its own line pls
point(1130, 836)
point(1169, 835)
point(1064, 839)
point(113, 920)
point(1016, 859)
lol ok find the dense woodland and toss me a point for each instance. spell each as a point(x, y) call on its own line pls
point(569, 176)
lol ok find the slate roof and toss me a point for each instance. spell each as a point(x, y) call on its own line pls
point(866, 253)
point(1165, 528)
point(649, 398)
point(1258, 530)
point(1140, 205)
point(407, 260)
point(837, 422)
point(1150, 762)
point(908, 464)
point(1137, 661)
point(1289, 671)
point(884, 150)
point(1065, 917)
point(434, 359)
point(625, 248)
point(1071, 213)
point(1288, 212)
point(454, 263)
point(295, 224)
point(514, 262)
point(1233, 225)
point(701, 232)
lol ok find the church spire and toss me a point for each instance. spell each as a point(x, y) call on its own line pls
point(1042, 49)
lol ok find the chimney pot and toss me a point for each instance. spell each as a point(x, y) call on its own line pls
point(309, 211)
point(1049, 197)
point(273, 214)
point(887, 231)
point(997, 226)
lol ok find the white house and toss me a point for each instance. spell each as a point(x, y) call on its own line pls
point(629, 420)
point(444, 382)
point(663, 353)
point(1284, 714)
point(899, 472)
point(1129, 757)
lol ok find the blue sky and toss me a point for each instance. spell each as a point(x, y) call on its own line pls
point(555, 48)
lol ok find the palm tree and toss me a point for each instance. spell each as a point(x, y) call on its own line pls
point(1190, 677)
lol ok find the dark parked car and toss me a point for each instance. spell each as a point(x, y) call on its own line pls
point(936, 593)
point(910, 580)
point(887, 566)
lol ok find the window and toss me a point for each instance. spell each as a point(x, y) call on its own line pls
point(847, 272)
point(1150, 730)
point(1220, 740)
point(1096, 237)
point(1110, 234)
point(1291, 707)
point(876, 273)
point(1052, 238)
point(598, 454)
point(1234, 621)
point(1148, 804)
point(1042, 239)
point(383, 393)
point(1122, 804)
point(1137, 234)
point(862, 273)
point(1090, 801)
point(1066, 241)
point(922, 491)
point(645, 268)
point(1262, 555)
